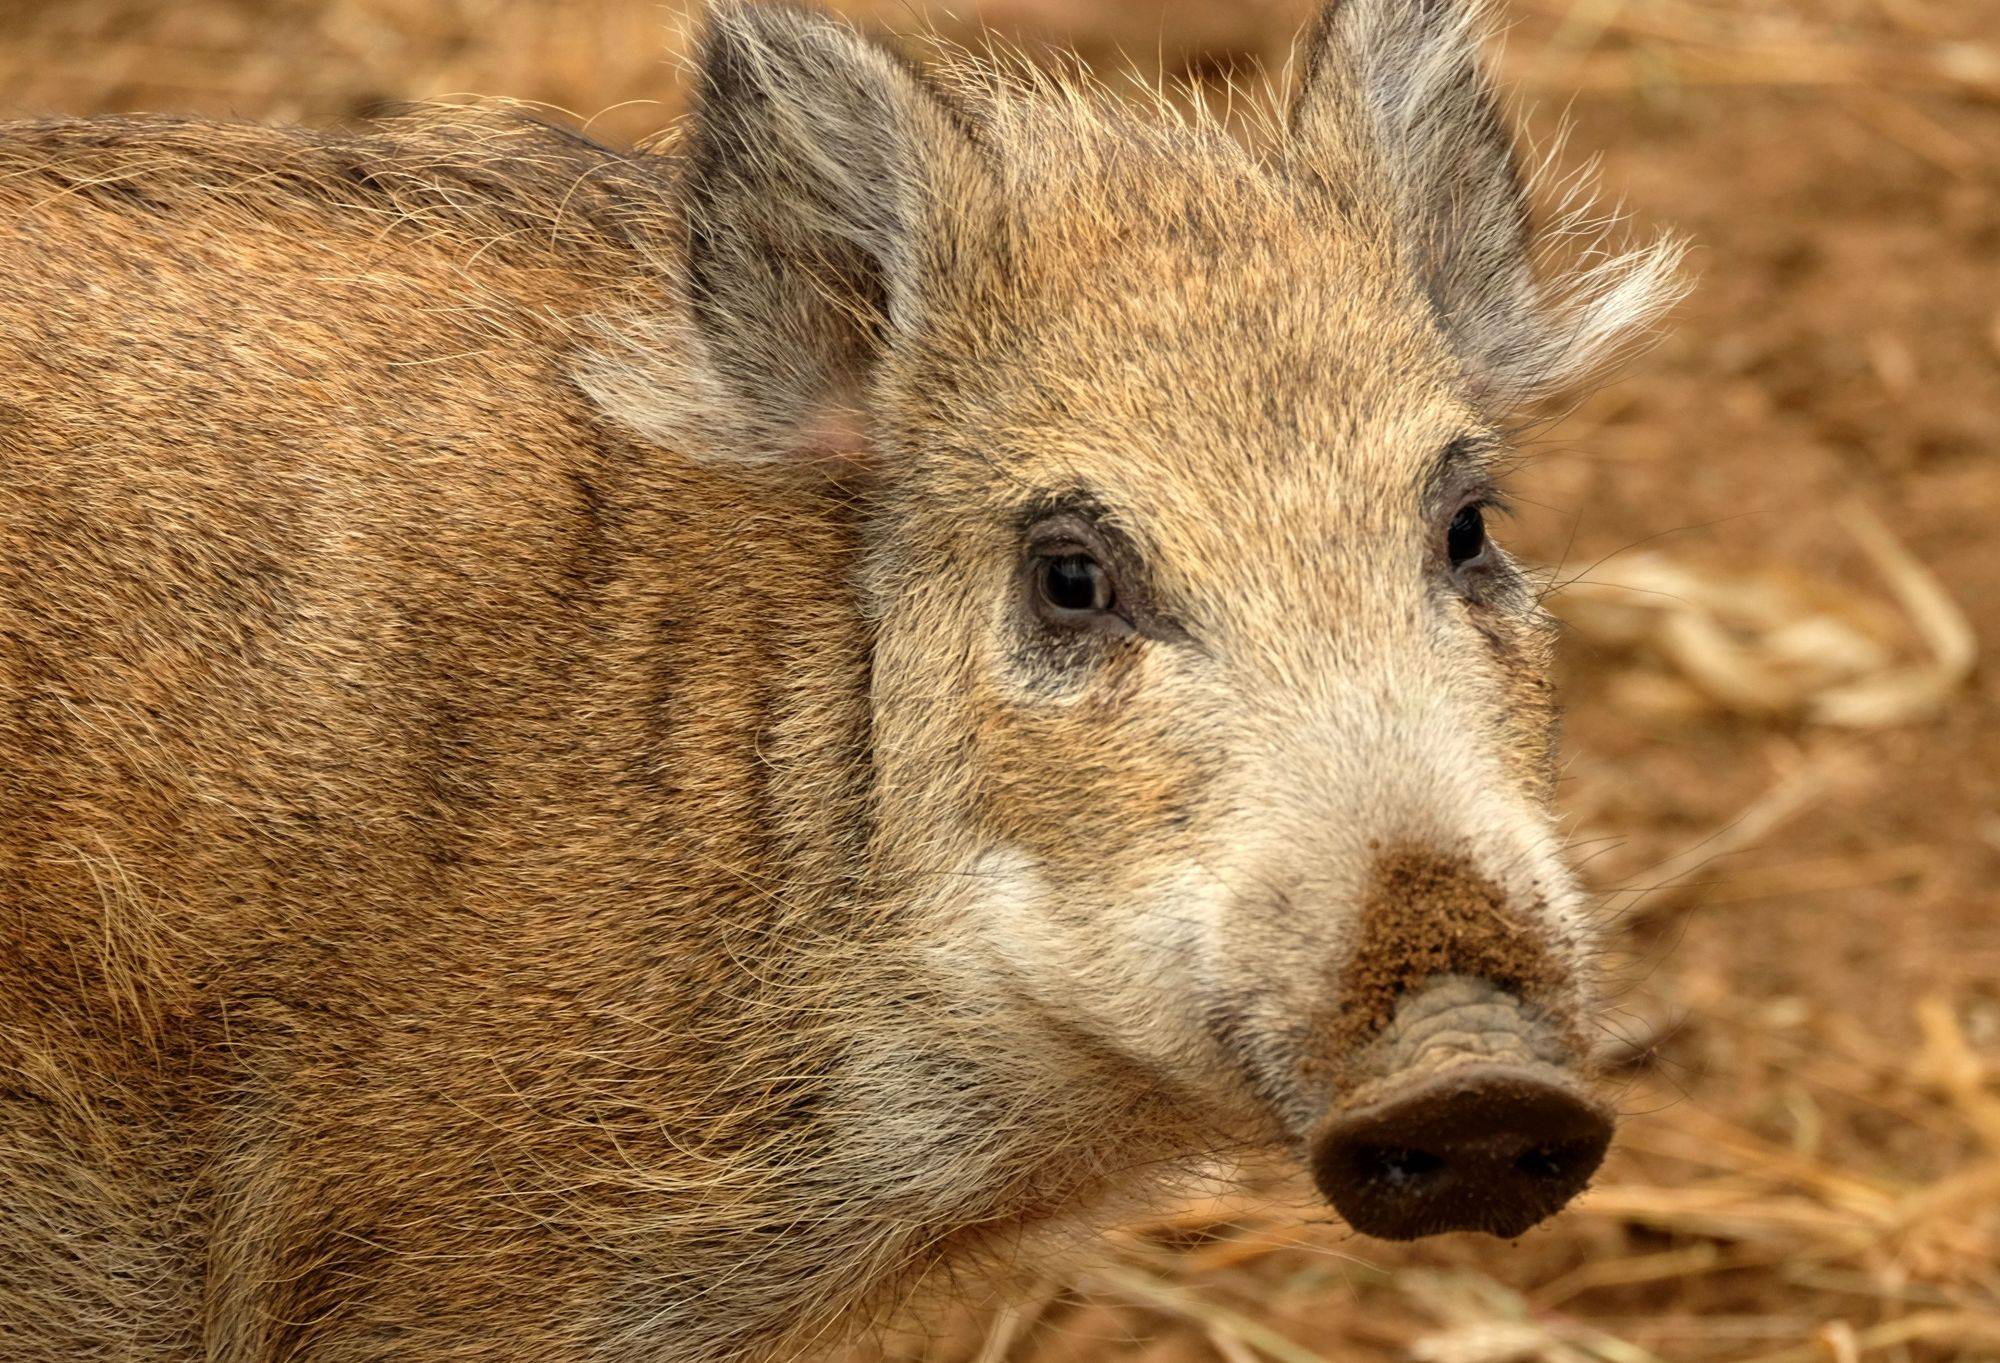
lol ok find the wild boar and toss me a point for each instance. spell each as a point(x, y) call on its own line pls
point(619, 755)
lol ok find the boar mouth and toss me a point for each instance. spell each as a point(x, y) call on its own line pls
point(1469, 1120)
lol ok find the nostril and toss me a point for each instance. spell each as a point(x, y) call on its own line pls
point(1399, 1168)
point(1549, 1161)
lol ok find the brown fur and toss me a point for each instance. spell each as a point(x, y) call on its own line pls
point(503, 857)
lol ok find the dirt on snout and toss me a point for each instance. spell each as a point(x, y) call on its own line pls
point(1427, 917)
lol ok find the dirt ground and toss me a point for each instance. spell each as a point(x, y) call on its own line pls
point(1775, 542)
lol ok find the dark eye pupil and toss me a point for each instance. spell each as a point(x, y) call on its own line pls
point(1467, 536)
point(1076, 582)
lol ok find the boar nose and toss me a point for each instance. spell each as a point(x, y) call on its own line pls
point(1494, 1148)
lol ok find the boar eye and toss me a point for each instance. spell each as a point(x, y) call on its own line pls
point(1069, 585)
point(1465, 540)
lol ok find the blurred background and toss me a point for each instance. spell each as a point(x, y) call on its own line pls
point(1776, 543)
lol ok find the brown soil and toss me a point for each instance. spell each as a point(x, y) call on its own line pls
point(1809, 1017)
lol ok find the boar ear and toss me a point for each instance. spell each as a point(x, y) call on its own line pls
point(1396, 116)
point(827, 185)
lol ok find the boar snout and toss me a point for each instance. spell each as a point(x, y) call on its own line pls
point(1472, 1123)
point(1485, 1148)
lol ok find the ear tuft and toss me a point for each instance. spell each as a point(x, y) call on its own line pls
point(1396, 112)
